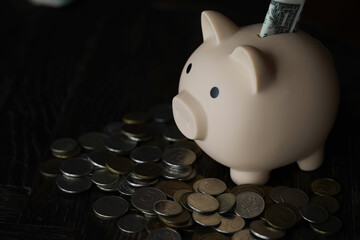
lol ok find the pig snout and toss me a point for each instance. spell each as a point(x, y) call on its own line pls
point(189, 116)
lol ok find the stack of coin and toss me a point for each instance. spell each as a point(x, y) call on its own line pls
point(65, 148)
point(178, 163)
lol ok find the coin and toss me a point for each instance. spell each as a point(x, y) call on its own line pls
point(231, 224)
point(213, 236)
point(325, 187)
point(202, 203)
point(76, 167)
point(190, 145)
point(179, 157)
point(178, 194)
point(99, 158)
point(146, 153)
point(242, 235)
point(113, 128)
point(132, 223)
point(92, 141)
point(109, 187)
point(262, 231)
point(226, 202)
point(314, 213)
point(144, 198)
point(136, 118)
point(50, 168)
point(73, 185)
point(191, 176)
point(162, 113)
point(136, 182)
point(147, 170)
point(185, 225)
point(119, 165)
point(280, 217)
point(327, 202)
point(153, 224)
point(330, 226)
point(164, 234)
point(212, 186)
point(119, 144)
point(249, 204)
point(173, 134)
point(182, 218)
point(110, 207)
point(275, 193)
point(294, 196)
point(170, 187)
point(65, 148)
point(104, 177)
point(124, 188)
point(135, 130)
point(247, 187)
point(167, 208)
point(175, 174)
point(183, 201)
point(294, 209)
point(207, 220)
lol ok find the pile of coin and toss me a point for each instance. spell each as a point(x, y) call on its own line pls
point(146, 160)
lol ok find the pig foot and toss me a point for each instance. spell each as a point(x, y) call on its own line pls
point(242, 177)
point(313, 161)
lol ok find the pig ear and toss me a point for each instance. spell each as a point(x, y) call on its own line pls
point(215, 24)
point(258, 65)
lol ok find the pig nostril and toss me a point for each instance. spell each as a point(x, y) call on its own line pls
point(214, 92)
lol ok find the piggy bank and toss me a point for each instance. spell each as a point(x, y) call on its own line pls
point(255, 104)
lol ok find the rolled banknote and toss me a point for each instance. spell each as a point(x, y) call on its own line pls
point(282, 17)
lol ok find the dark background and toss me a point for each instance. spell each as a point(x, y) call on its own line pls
point(67, 71)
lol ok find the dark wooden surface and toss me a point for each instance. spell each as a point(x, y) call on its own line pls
point(67, 71)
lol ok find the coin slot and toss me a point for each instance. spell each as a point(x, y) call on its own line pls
point(188, 69)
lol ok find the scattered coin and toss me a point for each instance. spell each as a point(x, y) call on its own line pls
point(167, 208)
point(247, 187)
point(65, 148)
point(104, 177)
point(135, 131)
point(76, 167)
point(179, 157)
point(207, 220)
point(276, 192)
point(173, 134)
point(183, 201)
point(211, 186)
point(226, 202)
point(242, 235)
point(231, 224)
point(110, 207)
point(202, 203)
point(99, 158)
point(73, 185)
point(124, 188)
point(136, 182)
point(50, 168)
point(136, 118)
point(330, 226)
point(325, 187)
point(153, 224)
point(170, 187)
point(146, 153)
point(147, 170)
point(113, 128)
point(249, 204)
point(144, 198)
point(92, 141)
point(327, 202)
point(314, 213)
point(119, 144)
point(294, 209)
point(164, 234)
point(162, 113)
point(262, 231)
point(294, 196)
point(109, 187)
point(178, 194)
point(182, 218)
point(119, 165)
point(132, 223)
point(280, 217)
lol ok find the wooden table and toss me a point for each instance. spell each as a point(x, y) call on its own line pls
point(67, 71)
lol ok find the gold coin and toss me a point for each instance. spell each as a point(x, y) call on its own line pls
point(172, 186)
point(136, 118)
point(325, 187)
point(280, 217)
point(329, 203)
point(119, 165)
point(248, 187)
point(330, 226)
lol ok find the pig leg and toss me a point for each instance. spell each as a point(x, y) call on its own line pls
point(253, 177)
point(313, 161)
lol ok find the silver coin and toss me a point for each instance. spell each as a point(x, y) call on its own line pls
point(113, 128)
point(146, 153)
point(173, 134)
point(144, 138)
point(231, 224)
point(192, 175)
point(124, 188)
point(162, 113)
point(92, 141)
point(176, 174)
point(242, 235)
point(132, 223)
point(314, 213)
point(73, 185)
point(207, 220)
point(202, 203)
point(119, 144)
point(64, 146)
point(179, 157)
point(262, 231)
point(99, 158)
point(226, 202)
point(249, 204)
point(140, 182)
point(295, 196)
point(167, 208)
point(104, 177)
point(275, 193)
point(110, 207)
point(76, 167)
point(108, 188)
point(212, 186)
point(144, 198)
point(164, 234)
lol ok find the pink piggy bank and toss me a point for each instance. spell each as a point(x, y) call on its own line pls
point(255, 104)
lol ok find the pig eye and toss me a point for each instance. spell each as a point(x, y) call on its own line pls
point(188, 69)
point(214, 92)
